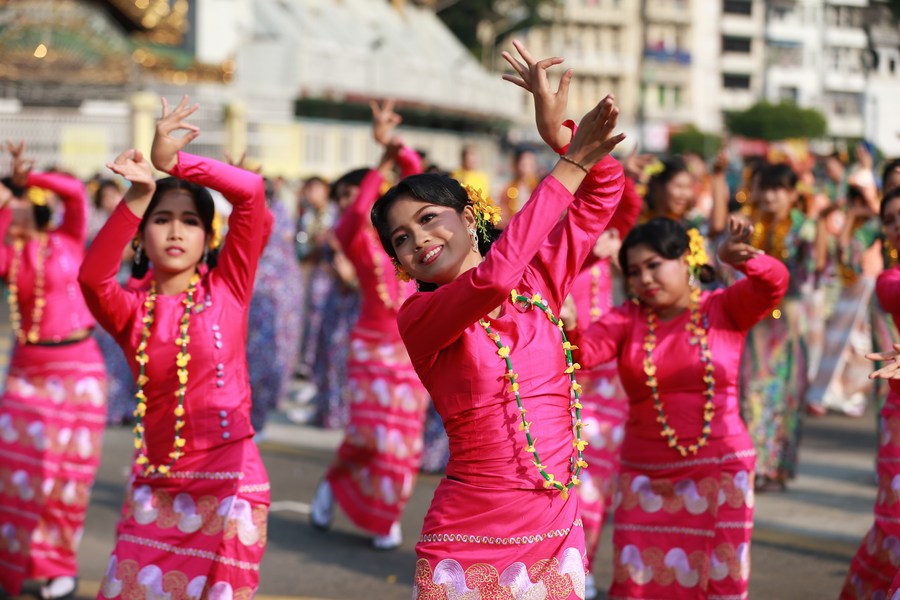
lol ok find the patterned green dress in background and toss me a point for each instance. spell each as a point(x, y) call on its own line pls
point(774, 373)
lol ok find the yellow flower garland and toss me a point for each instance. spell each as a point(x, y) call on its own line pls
point(181, 360)
point(37, 311)
point(697, 328)
point(579, 444)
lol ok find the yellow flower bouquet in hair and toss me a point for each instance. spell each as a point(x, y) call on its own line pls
point(487, 214)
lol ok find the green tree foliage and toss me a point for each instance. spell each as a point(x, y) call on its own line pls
point(691, 139)
point(465, 17)
point(772, 122)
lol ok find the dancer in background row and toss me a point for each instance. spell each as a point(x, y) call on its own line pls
point(196, 509)
point(273, 337)
point(605, 404)
point(687, 459)
point(497, 367)
point(774, 370)
point(53, 407)
point(375, 470)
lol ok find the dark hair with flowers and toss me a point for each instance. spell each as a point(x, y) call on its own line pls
point(668, 239)
point(431, 188)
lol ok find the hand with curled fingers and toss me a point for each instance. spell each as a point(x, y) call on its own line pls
point(594, 138)
point(133, 166)
point(165, 149)
point(549, 106)
point(889, 371)
point(21, 167)
point(384, 121)
point(736, 249)
point(242, 163)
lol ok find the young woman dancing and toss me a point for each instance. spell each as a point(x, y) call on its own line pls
point(498, 369)
point(53, 407)
point(873, 572)
point(194, 521)
point(376, 466)
point(684, 505)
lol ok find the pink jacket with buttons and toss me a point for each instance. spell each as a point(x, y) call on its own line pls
point(217, 399)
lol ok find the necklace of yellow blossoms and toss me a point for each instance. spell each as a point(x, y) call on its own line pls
point(697, 327)
point(37, 311)
point(181, 360)
point(575, 407)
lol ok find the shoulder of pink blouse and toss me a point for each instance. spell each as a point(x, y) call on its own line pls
point(887, 287)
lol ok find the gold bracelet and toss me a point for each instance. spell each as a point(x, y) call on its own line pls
point(577, 164)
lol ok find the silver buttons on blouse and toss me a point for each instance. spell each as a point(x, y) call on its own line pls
point(222, 414)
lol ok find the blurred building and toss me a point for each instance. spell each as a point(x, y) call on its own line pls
point(290, 82)
point(678, 62)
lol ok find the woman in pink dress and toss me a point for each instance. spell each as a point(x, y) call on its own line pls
point(603, 398)
point(503, 521)
point(194, 520)
point(684, 505)
point(53, 407)
point(873, 572)
point(376, 466)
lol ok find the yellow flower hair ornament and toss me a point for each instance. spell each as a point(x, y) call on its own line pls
point(215, 236)
point(37, 196)
point(697, 257)
point(399, 271)
point(487, 214)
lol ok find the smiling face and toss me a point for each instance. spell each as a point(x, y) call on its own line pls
point(174, 237)
point(431, 242)
point(658, 282)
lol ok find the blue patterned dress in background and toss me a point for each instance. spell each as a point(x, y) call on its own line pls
point(273, 339)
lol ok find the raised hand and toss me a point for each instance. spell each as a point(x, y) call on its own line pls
point(384, 121)
point(594, 138)
point(166, 147)
point(736, 249)
point(890, 370)
point(549, 106)
point(242, 162)
point(21, 166)
point(132, 165)
point(635, 164)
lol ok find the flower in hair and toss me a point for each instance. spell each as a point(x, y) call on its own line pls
point(487, 214)
point(399, 271)
point(697, 257)
point(215, 236)
point(37, 196)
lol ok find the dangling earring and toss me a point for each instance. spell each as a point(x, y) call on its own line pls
point(692, 281)
point(137, 254)
point(205, 254)
point(474, 235)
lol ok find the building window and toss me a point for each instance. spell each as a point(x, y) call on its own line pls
point(734, 81)
point(732, 43)
point(789, 93)
point(737, 7)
